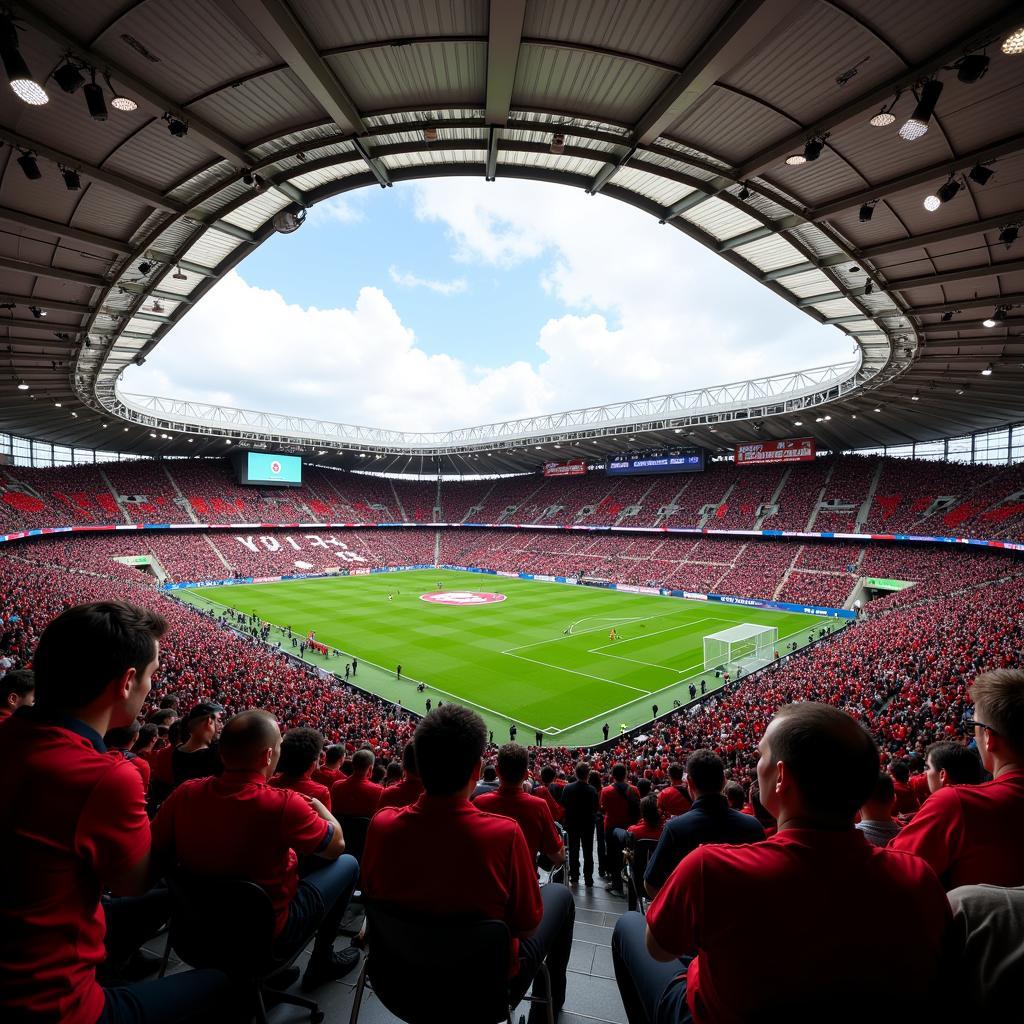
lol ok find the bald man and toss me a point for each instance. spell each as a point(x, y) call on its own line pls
point(237, 826)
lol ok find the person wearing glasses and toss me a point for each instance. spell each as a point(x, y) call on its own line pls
point(975, 834)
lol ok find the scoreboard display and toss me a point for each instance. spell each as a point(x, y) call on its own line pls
point(266, 469)
point(685, 460)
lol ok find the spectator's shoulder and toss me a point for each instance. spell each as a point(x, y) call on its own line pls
point(494, 825)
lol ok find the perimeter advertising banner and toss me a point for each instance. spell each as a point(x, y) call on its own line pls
point(575, 467)
point(759, 453)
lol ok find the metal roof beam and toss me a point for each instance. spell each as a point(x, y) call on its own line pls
point(54, 227)
point(952, 276)
point(57, 273)
point(975, 303)
point(35, 300)
point(172, 260)
point(744, 28)
point(137, 87)
point(1007, 19)
point(277, 23)
point(790, 271)
point(504, 38)
point(491, 170)
point(941, 169)
point(945, 235)
point(756, 234)
point(604, 175)
point(118, 181)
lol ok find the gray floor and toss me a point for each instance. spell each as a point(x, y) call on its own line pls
point(591, 996)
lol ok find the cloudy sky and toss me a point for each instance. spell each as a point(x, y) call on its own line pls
point(455, 302)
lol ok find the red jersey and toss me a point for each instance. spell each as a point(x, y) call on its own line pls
point(641, 830)
point(906, 802)
point(327, 776)
point(73, 820)
point(306, 786)
point(673, 801)
point(621, 805)
point(236, 826)
point(401, 795)
point(919, 787)
point(476, 863)
point(355, 797)
point(557, 810)
point(870, 906)
point(971, 834)
point(532, 814)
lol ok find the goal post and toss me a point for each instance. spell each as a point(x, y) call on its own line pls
point(745, 647)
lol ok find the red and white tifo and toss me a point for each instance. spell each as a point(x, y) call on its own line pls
point(461, 597)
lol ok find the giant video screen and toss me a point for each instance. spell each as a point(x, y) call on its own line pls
point(686, 460)
point(266, 469)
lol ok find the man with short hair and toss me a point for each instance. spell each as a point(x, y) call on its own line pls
point(330, 771)
point(975, 834)
point(17, 690)
point(876, 816)
point(235, 825)
point(120, 740)
point(620, 803)
point(581, 802)
point(710, 820)
point(779, 929)
point(550, 791)
point(74, 826)
point(409, 789)
point(357, 796)
point(197, 757)
point(674, 799)
point(530, 812)
point(951, 764)
point(478, 863)
point(300, 752)
point(488, 782)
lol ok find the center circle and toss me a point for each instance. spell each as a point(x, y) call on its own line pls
point(463, 598)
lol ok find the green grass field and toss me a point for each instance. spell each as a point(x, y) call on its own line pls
point(512, 660)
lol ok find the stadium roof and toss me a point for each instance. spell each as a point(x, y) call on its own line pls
point(247, 112)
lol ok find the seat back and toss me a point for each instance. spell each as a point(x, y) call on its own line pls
point(354, 830)
point(643, 850)
point(426, 968)
point(222, 923)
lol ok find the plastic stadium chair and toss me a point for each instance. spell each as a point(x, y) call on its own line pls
point(426, 968)
point(237, 937)
point(635, 869)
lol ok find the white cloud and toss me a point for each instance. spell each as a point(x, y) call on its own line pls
point(407, 280)
point(339, 209)
point(647, 311)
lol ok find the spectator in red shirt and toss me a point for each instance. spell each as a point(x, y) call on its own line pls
point(782, 928)
point(17, 690)
point(121, 740)
point(906, 799)
point(951, 764)
point(620, 803)
point(330, 771)
point(236, 826)
point(477, 863)
point(357, 796)
point(650, 824)
point(408, 790)
point(674, 798)
point(550, 791)
point(530, 812)
point(975, 834)
point(197, 757)
point(74, 825)
point(300, 751)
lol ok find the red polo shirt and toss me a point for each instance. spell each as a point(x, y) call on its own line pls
point(806, 918)
point(236, 826)
point(673, 801)
point(401, 795)
point(641, 830)
point(306, 786)
point(616, 807)
point(971, 834)
point(919, 787)
point(906, 801)
point(355, 797)
point(475, 863)
point(532, 814)
point(73, 819)
point(557, 810)
point(326, 776)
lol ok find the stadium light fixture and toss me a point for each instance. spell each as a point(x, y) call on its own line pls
point(72, 181)
point(123, 103)
point(744, 193)
point(29, 165)
point(877, 409)
point(1009, 234)
point(22, 386)
point(915, 397)
point(972, 67)
point(145, 267)
point(947, 191)
point(869, 287)
point(37, 312)
point(557, 144)
point(798, 423)
point(987, 372)
point(796, 159)
point(884, 117)
point(178, 275)
point(1013, 44)
point(175, 125)
point(69, 77)
point(58, 405)
point(960, 390)
point(980, 174)
point(24, 84)
point(95, 102)
point(867, 211)
point(917, 124)
point(932, 203)
point(947, 316)
point(813, 147)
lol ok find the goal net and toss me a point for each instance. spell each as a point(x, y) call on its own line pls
point(746, 647)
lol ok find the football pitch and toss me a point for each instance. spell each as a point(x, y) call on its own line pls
point(537, 654)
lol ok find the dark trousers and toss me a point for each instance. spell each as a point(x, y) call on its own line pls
point(614, 847)
point(652, 992)
point(602, 851)
point(192, 996)
point(576, 839)
point(318, 906)
point(131, 921)
point(551, 943)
